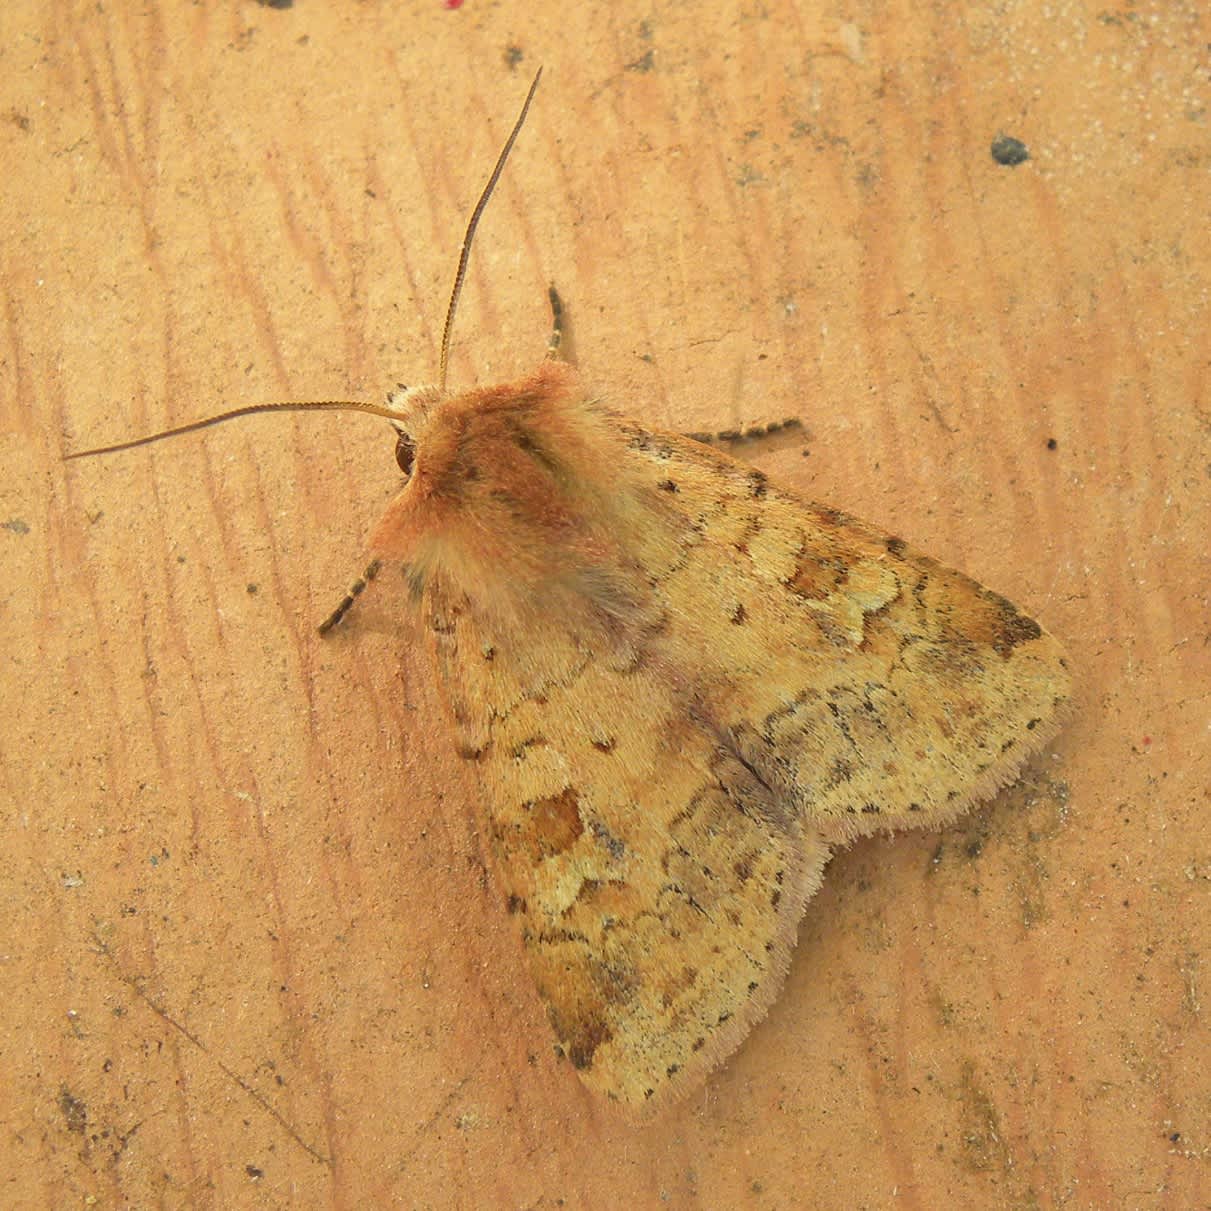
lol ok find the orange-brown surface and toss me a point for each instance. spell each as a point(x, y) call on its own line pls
point(251, 957)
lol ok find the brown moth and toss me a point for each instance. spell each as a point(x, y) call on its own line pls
point(681, 688)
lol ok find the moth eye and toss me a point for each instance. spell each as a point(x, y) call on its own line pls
point(405, 453)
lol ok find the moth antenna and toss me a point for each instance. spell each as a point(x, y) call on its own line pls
point(324, 405)
point(465, 253)
point(352, 405)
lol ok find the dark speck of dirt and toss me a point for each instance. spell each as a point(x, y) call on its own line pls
point(1052, 444)
point(276, 3)
point(1009, 151)
point(16, 525)
point(74, 1111)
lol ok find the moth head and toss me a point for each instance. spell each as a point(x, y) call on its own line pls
point(515, 464)
point(412, 407)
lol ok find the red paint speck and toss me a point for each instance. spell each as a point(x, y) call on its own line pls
point(1147, 741)
point(454, 3)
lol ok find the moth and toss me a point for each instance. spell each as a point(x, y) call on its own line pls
point(681, 687)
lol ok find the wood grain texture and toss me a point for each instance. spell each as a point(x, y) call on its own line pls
point(252, 958)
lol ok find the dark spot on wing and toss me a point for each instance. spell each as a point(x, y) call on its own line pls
point(550, 825)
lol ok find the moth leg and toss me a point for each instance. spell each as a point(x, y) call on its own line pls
point(752, 433)
point(556, 322)
point(356, 589)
